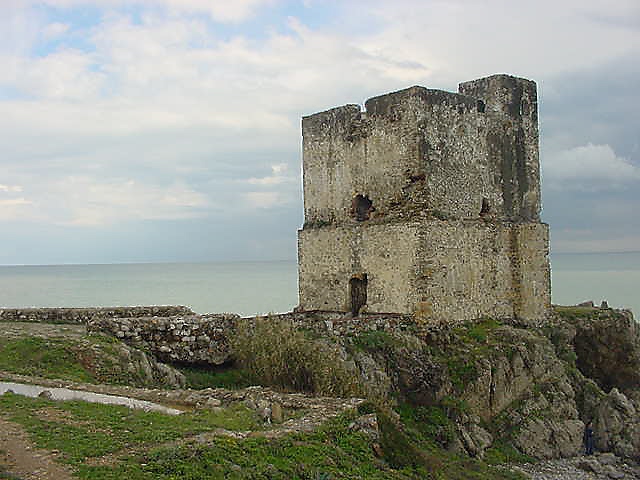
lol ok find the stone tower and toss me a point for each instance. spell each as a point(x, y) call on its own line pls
point(426, 202)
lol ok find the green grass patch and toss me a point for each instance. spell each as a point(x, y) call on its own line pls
point(80, 430)
point(462, 371)
point(481, 331)
point(432, 422)
point(199, 377)
point(502, 452)
point(375, 341)
point(332, 452)
point(576, 313)
point(477, 333)
point(49, 358)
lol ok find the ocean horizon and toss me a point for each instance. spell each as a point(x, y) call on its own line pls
point(250, 288)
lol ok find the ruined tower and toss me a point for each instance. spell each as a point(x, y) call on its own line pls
point(426, 202)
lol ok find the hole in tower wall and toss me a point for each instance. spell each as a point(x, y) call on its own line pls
point(486, 207)
point(358, 293)
point(361, 208)
point(481, 106)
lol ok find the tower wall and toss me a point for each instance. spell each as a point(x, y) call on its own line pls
point(439, 270)
point(429, 199)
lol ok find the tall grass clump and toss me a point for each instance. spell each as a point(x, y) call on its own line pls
point(277, 353)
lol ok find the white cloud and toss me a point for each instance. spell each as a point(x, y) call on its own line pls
point(54, 30)
point(15, 209)
point(87, 201)
point(11, 202)
point(20, 27)
point(587, 241)
point(461, 39)
point(10, 188)
point(165, 95)
point(65, 74)
point(264, 200)
point(220, 10)
point(589, 167)
point(277, 177)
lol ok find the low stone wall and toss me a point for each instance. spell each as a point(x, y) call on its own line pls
point(191, 338)
point(83, 315)
point(341, 324)
point(205, 338)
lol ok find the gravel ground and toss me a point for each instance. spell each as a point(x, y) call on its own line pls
point(605, 466)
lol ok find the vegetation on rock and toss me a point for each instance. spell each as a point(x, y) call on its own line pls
point(91, 359)
point(446, 403)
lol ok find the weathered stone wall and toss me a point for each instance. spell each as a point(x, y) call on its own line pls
point(190, 338)
point(206, 338)
point(83, 315)
point(330, 256)
point(512, 139)
point(427, 151)
point(442, 271)
point(430, 200)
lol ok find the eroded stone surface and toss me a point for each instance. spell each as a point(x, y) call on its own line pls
point(426, 202)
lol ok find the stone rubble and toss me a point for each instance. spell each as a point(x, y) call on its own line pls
point(603, 466)
point(287, 412)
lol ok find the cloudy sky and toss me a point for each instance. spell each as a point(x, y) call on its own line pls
point(169, 130)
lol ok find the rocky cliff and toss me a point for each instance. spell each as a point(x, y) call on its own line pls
point(487, 388)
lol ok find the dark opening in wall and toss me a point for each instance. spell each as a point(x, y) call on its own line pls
point(481, 106)
point(361, 208)
point(358, 293)
point(486, 207)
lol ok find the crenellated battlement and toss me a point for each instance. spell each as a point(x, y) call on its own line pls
point(427, 152)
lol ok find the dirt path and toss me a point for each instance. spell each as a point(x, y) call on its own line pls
point(20, 457)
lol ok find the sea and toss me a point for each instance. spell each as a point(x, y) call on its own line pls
point(250, 288)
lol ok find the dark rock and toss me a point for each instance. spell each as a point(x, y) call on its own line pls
point(588, 303)
point(45, 394)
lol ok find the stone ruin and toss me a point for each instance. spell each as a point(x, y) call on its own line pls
point(426, 202)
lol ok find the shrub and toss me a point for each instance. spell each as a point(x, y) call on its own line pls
point(276, 353)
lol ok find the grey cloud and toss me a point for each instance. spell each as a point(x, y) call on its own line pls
point(213, 116)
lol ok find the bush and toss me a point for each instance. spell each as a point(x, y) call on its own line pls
point(275, 352)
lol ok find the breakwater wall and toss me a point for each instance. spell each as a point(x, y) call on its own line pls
point(83, 315)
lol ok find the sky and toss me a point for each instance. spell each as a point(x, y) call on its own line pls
point(169, 130)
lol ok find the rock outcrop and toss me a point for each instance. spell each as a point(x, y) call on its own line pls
point(607, 345)
point(493, 383)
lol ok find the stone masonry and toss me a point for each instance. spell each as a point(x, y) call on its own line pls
point(427, 203)
point(84, 315)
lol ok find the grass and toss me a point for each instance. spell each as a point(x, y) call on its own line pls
point(576, 313)
point(266, 352)
point(375, 341)
point(81, 430)
point(200, 377)
point(275, 352)
point(90, 359)
point(138, 443)
point(49, 358)
point(502, 452)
